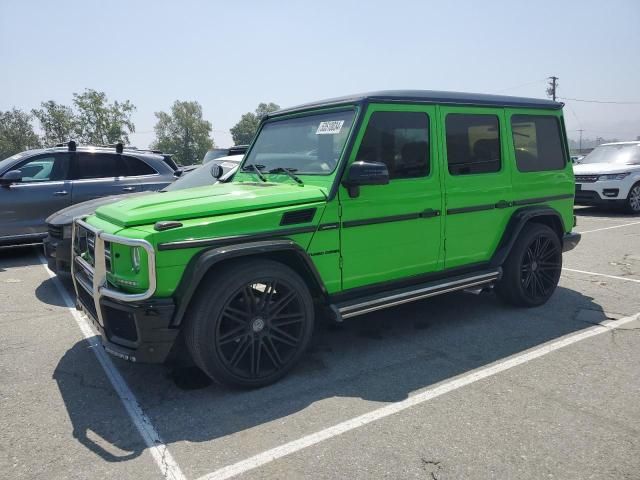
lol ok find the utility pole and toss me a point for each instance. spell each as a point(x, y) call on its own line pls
point(551, 89)
point(580, 148)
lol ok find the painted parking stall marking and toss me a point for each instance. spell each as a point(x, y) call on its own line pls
point(424, 396)
point(168, 467)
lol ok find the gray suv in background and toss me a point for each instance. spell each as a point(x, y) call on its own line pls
point(36, 183)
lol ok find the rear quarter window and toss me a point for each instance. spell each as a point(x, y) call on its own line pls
point(537, 141)
point(135, 167)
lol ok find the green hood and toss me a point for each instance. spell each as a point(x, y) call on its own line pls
point(206, 202)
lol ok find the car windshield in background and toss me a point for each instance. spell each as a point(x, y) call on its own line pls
point(200, 177)
point(307, 145)
point(621, 154)
point(215, 153)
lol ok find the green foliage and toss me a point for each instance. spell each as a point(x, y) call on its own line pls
point(244, 131)
point(99, 122)
point(58, 122)
point(183, 132)
point(16, 133)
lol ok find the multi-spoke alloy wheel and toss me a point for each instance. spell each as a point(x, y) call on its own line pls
point(633, 200)
point(532, 269)
point(260, 329)
point(250, 323)
point(541, 267)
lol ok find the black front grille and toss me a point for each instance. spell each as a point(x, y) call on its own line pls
point(87, 301)
point(55, 231)
point(586, 178)
point(586, 195)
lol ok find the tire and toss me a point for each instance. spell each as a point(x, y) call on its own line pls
point(632, 204)
point(532, 269)
point(250, 323)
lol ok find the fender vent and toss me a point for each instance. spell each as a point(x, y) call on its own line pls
point(299, 216)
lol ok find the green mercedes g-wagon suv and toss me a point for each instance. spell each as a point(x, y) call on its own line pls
point(340, 208)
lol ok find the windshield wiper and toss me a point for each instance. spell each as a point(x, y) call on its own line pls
point(252, 167)
point(289, 172)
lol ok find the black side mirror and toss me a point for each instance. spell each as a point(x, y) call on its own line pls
point(12, 176)
point(365, 173)
point(217, 171)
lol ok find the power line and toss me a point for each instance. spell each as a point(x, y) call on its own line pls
point(599, 101)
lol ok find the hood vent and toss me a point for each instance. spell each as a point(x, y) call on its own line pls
point(299, 216)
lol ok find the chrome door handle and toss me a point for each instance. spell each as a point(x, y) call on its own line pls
point(128, 189)
point(60, 193)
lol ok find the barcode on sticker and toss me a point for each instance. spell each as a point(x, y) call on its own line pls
point(330, 128)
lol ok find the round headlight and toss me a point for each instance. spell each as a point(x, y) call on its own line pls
point(135, 258)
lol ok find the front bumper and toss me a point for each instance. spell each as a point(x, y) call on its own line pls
point(609, 192)
point(57, 251)
point(133, 326)
point(134, 331)
point(570, 241)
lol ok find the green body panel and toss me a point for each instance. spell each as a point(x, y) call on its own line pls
point(544, 184)
point(388, 251)
point(345, 256)
point(473, 237)
point(206, 201)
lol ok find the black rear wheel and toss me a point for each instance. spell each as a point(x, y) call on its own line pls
point(532, 270)
point(251, 323)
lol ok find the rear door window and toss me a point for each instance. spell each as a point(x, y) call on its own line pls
point(473, 143)
point(538, 143)
point(92, 165)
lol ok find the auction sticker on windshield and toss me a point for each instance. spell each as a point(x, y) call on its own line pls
point(330, 128)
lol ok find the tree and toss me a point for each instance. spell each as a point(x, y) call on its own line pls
point(99, 122)
point(183, 132)
point(58, 122)
point(244, 131)
point(16, 133)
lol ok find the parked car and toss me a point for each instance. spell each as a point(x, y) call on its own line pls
point(610, 176)
point(344, 206)
point(216, 153)
point(57, 244)
point(36, 183)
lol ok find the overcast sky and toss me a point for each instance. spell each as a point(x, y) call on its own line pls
point(231, 55)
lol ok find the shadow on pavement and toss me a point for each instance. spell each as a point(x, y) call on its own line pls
point(19, 256)
point(381, 357)
point(602, 212)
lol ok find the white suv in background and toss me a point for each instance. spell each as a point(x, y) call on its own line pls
point(610, 175)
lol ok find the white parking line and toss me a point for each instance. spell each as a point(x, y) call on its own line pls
point(424, 396)
point(609, 228)
point(168, 466)
point(601, 275)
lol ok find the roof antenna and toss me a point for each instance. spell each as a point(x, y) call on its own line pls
point(119, 147)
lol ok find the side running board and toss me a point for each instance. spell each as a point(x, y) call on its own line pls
point(392, 298)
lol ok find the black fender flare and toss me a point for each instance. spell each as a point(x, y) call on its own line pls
point(518, 220)
point(203, 261)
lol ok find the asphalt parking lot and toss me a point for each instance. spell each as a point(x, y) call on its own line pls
point(454, 387)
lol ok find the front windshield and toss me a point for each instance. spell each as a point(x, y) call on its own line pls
point(620, 154)
point(306, 145)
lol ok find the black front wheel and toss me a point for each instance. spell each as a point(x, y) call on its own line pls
point(250, 323)
point(532, 270)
